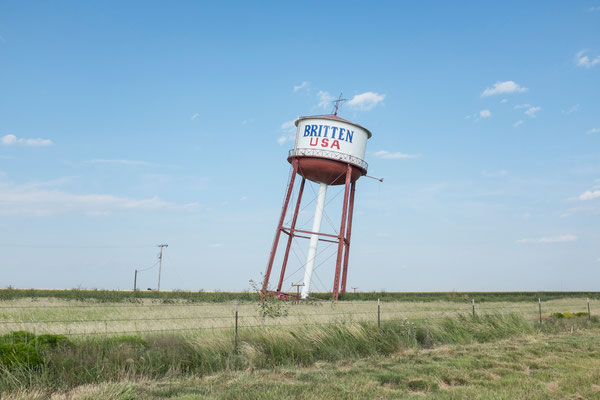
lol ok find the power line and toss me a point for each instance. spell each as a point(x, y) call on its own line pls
point(51, 246)
point(146, 269)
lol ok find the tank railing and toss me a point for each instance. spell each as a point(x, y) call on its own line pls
point(329, 154)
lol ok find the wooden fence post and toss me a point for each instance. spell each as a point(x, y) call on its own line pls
point(589, 312)
point(378, 313)
point(236, 327)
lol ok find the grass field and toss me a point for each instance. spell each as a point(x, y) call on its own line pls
point(186, 350)
point(482, 358)
point(51, 315)
point(178, 296)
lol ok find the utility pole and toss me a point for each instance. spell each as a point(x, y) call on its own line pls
point(298, 285)
point(135, 281)
point(160, 263)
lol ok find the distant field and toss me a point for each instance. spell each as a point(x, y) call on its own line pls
point(116, 296)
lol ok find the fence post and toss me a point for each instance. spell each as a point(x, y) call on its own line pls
point(540, 307)
point(589, 313)
point(378, 313)
point(236, 327)
point(473, 303)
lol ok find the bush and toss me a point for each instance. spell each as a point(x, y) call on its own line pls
point(17, 337)
point(21, 349)
point(51, 340)
point(560, 315)
point(14, 355)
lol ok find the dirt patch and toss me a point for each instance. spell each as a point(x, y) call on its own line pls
point(552, 386)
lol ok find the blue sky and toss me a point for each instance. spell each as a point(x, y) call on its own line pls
point(128, 124)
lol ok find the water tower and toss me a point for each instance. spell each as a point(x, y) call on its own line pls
point(328, 150)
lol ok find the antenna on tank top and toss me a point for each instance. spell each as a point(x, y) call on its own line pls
point(336, 104)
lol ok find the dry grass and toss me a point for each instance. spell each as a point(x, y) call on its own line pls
point(49, 315)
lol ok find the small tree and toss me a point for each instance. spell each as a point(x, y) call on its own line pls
point(269, 307)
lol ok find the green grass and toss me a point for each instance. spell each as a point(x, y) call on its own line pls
point(68, 363)
point(343, 339)
point(569, 315)
point(115, 296)
point(555, 364)
point(127, 296)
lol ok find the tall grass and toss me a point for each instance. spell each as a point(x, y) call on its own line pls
point(66, 364)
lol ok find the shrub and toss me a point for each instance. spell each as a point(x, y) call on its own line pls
point(17, 337)
point(51, 340)
point(560, 315)
point(13, 355)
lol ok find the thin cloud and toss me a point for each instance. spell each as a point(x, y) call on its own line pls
point(531, 111)
point(386, 155)
point(483, 114)
point(193, 117)
point(300, 86)
point(48, 183)
point(518, 123)
point(288, 132)
point(551, 239)
point(35, 201)
point(495, 174)
point(112, 161)
point(215, 245)
point(592, 9)
point(126, 162)
point(504, 101)
point(584, 61)
point(502, 88)
point(586, 210)
point(572, 109)
point(593, 130)
point(366, 101)
point(589, 195)
point(325, 99)
point(9, 140)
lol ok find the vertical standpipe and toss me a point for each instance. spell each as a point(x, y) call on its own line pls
point(314, 239)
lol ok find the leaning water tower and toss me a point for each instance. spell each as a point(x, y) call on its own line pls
point(328, 150)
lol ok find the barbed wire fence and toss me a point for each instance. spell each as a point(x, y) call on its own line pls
point(228, 316)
